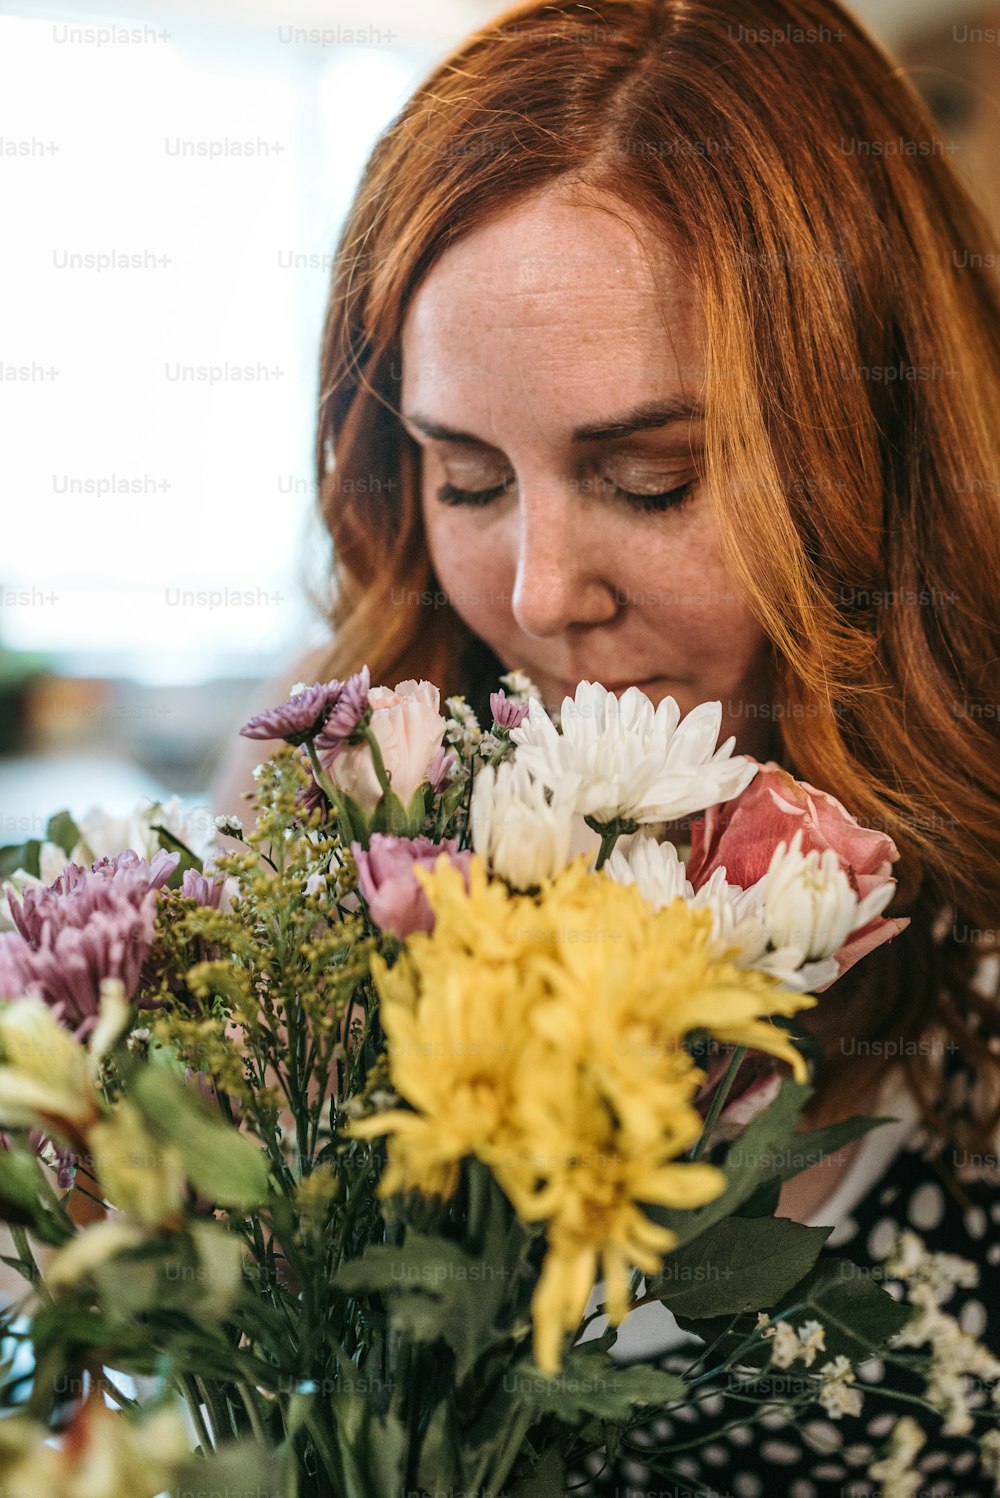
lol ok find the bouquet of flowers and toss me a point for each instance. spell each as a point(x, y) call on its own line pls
point(333, 1161)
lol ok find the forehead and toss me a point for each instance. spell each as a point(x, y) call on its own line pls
point(578, 306)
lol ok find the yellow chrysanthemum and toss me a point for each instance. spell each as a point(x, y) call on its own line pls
point(544, 1035)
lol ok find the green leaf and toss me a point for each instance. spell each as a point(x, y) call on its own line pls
point(24, 856)
point(781, 1160)
point(223, 1165)
point(390, 815)
point(858, 1316)
point(173, 844)
point(808, 1146)
point(197, 1274)
point(763, 1200)
point(739, 1264)
point(354, 815)
point(416, 810)
point(239, 1469)
point(63, 831)
point(438, 1462)
point(372, 1448)
point(434, 1289)
point(548, 1480)
point(748, 1162)
point(591, 1383)
point(27, 1197)
point(61, 1334)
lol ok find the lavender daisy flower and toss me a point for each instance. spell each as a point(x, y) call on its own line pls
point(298, 719)
point(205, 890)
point(507, 714)
point(61, 1156)
point(347, 712)
point(84, 927)
point(311, 796)
point(441, 770)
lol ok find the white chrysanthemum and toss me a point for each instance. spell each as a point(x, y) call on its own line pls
point(521, 833)
point(738, 927)
point(632, 762)
point(809, 904)
point(104, 836)
point(654, 868)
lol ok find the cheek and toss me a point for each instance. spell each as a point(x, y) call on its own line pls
point(680, 586)
point(472, 567)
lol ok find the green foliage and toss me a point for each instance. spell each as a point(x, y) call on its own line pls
point(332, 1340)
point(224, 1165)
point(738, 1264)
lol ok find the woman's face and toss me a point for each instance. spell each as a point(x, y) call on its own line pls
point(551, 386)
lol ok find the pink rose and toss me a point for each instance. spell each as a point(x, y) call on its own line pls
point(754, 1088)
point(395, 899)
point(741, 835)
point(409, 728)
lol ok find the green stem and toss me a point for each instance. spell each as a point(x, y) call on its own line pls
point(325, 1452)
point(250, 1405)
point(320, 775)
point(721, 1093)
point(32, 1273)
point(608, 840)
point(378, 762)
point(509, 1448)
point(193, 1397)
point(609, 833)
point(217, 1406)
point(107, 1386)
point(465, 840)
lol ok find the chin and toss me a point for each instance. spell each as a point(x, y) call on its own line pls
point(655, 688)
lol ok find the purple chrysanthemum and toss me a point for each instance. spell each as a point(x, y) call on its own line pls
point(507, 714)
point(441, 770)
point(204, 888)
point(86, 926)
point(298, 719)
point(347, 712)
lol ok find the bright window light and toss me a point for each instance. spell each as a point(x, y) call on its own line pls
point(171, 210)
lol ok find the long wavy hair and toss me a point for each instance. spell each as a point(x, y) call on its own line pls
point(852, 391)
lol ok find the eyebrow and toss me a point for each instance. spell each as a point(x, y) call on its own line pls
point(646, 417)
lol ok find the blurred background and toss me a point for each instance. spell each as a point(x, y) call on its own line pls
point(174, 177)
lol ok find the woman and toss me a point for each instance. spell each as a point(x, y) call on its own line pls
point(652, 356)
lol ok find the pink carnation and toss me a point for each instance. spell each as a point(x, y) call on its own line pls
point(395, 900)
point(754, 1088)
point(740, 836)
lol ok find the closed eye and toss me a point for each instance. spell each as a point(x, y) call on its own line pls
point(448, 494)
point(666, 499)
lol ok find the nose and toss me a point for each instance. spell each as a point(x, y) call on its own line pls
point(565, 566)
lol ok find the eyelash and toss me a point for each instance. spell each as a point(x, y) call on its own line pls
point(667, 499)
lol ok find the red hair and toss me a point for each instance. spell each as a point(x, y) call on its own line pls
point(853, 419)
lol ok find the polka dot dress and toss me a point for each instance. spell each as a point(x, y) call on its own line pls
point(822, 1458)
